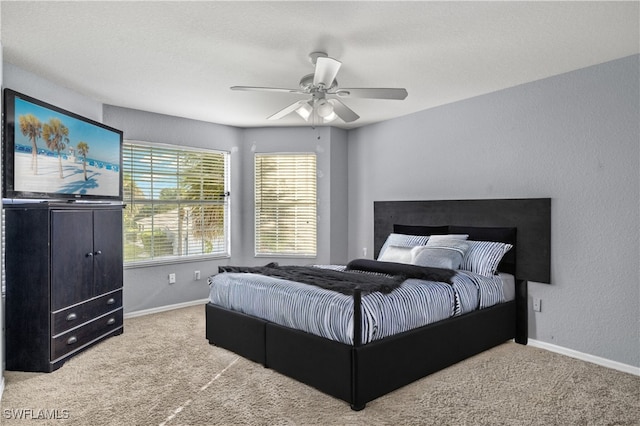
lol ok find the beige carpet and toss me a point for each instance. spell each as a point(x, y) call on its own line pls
point(162, 371)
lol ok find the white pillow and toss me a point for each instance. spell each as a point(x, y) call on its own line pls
point(402, 240)
point(437, 238)
point(397, 254)
point(437, 258)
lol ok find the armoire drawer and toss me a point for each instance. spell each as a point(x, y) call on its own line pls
point(76, 315)
point(77, 338)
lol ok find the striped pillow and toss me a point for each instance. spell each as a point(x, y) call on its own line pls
point(440, 253)
point(402, 240)
point(483, 257)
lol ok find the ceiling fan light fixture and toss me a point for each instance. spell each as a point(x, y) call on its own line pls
point(305, 111)
point(324, 108)
point(329, 118)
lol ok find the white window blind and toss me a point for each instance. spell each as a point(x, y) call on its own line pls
point(285, 203)
point(176, 202)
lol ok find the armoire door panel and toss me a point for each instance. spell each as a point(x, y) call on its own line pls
point(107, 246)
point(71, 257)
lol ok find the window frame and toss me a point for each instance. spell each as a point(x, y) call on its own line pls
point(226, 203)
point(307, 255)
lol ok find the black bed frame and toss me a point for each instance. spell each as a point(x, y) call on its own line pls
point(359, 373)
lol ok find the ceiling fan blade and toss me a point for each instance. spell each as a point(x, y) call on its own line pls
point(344, 112)
point(372, 93)
point(266, 89)
point(287, 110)
point(326, 71)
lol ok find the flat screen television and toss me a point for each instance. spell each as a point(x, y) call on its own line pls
point(54, 154)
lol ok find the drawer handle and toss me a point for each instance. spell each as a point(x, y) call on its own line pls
point(111, 301)
point(71, 340)
point(111, 321)
point(72, 316)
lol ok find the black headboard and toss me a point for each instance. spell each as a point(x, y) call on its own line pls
point(531, 217)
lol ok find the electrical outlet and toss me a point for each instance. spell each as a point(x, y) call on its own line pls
point(196, 275)
point(537, 304)
point(172, 278)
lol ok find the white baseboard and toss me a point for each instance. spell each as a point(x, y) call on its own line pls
point(1, 386)
point(165, 308)
point(586, 357)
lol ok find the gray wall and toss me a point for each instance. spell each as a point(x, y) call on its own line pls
point(33, 85)
point(339, 197)
point(574, 138)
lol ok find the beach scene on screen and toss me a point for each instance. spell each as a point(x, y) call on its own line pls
point(71, 156)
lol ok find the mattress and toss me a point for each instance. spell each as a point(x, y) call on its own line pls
point(329, 314)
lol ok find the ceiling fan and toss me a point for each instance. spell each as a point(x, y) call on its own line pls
point(325, 105)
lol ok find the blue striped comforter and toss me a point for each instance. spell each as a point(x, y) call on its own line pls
point(329, 314)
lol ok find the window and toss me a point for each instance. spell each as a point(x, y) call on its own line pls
point(285, 202)
point(176, 202)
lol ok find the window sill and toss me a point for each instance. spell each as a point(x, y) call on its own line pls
point(173, 261)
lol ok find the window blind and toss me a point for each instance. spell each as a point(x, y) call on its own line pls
point(176, 202)
point(285, 204)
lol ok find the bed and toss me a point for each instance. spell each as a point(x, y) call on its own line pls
point(361, 369)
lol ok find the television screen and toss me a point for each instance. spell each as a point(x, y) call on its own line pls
point(50, 153)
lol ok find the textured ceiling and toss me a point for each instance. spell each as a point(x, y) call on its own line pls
point(180, 58)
